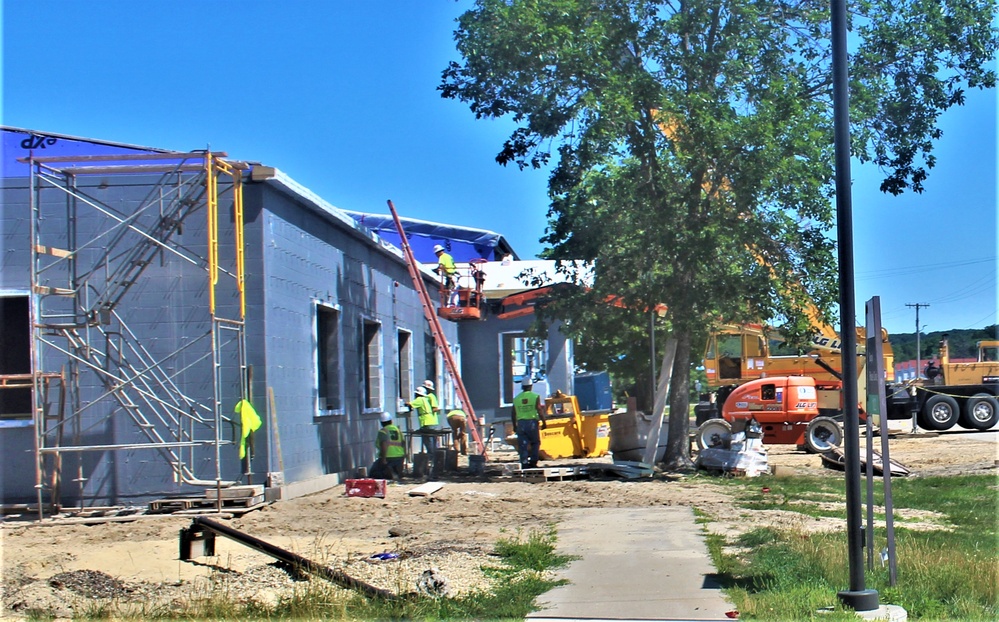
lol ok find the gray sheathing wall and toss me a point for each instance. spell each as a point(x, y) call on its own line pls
point(297, 253)
point(310, 257)
point(17, 461)
point(17, 470)
point(166, 309)
point(482, 360)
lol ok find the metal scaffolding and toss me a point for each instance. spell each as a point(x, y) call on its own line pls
point(89, 367)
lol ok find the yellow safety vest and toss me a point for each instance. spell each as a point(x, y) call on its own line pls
point(394, 436)
point(446, 264)
point(526, 405)
point(249, 421)
point(427, 415)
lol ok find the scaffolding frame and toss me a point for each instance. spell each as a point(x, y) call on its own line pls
point(78, 292)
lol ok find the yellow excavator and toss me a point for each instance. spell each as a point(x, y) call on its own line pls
point(736, 354)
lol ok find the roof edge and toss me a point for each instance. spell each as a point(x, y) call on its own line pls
point(285, 184)
point(96, 141)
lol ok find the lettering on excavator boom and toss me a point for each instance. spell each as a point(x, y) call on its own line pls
point(826, 343)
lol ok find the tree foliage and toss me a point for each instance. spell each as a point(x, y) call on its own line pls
point(694, 145)
point(963, 343)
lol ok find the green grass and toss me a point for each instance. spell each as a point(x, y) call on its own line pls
point(949, 573)
point(537, 553)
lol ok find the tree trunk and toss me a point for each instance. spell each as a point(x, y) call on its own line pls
point(678, 445)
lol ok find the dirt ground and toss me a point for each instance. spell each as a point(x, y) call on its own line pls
point(63, 566)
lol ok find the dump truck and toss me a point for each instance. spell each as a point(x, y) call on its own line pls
point(952, 393)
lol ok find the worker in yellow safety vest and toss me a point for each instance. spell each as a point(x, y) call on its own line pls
point(391, 453)
point(525, 413)
point(445, 266)
point(456, 419)
point(428, 419)
point(431, 396)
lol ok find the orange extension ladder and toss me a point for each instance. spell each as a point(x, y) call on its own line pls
point(471, 422)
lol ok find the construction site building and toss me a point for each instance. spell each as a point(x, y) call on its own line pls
point(144, 293)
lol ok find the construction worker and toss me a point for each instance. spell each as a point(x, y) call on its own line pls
point(431, 396)
point(525, 413)
point(456, 419)
point(445, 267)
point(391, 453)
point(427, 418)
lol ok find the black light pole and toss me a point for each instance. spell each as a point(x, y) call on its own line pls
point(857, 597)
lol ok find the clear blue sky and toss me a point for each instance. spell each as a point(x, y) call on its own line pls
point(342, 97)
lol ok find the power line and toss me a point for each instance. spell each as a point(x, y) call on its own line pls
point(970, 290)
point(901, 271)
point(975, 324)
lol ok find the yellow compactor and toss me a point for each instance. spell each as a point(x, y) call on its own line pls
point(570, 433)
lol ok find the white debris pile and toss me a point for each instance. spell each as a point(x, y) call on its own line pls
point(741, 453)
point(433, 583)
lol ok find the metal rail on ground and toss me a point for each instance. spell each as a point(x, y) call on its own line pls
point(196, 533)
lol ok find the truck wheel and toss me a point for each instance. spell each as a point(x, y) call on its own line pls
point(822, 434)
point(981, 412)
point(714, 433)
point(939, 413)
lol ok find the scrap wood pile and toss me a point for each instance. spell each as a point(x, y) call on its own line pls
point(836, 459)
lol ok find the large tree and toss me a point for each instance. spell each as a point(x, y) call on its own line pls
point(694, 141)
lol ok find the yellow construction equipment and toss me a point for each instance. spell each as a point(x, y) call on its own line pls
point(571, 434)
point(953, 392)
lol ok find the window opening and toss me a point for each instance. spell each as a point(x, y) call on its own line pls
point(15, 356)
point(405, 364)
point(372, 365)
point(328, 358)
point(522, 357)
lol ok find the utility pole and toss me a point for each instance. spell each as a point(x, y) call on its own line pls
point(918, 306)
point(919, 352)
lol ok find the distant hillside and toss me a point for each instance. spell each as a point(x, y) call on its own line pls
point(962, 342)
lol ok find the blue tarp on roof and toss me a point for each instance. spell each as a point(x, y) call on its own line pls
point(462, 243)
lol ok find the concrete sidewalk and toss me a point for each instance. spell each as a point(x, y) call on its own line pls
point(634, 564)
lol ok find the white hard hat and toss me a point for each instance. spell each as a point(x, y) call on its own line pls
point(526, 382)
point(429, 384)
point(385, 418)
point(438, 248)
point(421, 391)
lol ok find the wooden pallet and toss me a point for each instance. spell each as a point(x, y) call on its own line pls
point(554, 474)
point(178, 504)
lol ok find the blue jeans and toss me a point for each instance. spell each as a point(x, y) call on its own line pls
point(528, 442)
point(392, 469)
point(430, 440)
